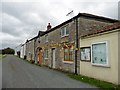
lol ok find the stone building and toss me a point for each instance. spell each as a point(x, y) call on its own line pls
point(73, 40)
point(56, 47)
point(30, 49)
point(37, 47)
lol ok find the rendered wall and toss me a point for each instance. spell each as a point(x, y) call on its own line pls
point(119, 56)
point(110, 73)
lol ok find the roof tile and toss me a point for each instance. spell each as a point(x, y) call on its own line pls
point(105, 29)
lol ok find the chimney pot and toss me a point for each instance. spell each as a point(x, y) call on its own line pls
point(49, 26)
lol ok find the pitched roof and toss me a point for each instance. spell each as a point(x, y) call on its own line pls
point(41, 33)
point(84, 15)
point(105, 29)
point(98, 17)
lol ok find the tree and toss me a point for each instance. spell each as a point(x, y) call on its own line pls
point(8, 51)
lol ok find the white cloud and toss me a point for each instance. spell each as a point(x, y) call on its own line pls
point(22, 19)
point(8, 19)
point(65, 1)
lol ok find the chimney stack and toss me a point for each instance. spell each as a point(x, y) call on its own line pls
point(49, 26)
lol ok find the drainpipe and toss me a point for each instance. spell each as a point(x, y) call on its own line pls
point(76, 45)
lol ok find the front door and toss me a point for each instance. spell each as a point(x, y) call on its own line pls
point(40, 57)
point(53, 58)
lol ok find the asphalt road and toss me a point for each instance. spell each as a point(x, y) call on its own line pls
point(17, 73)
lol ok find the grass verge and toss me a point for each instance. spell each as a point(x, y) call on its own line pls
point(2, 56)
point(101, 84)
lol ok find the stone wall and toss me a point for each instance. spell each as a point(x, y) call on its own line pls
point(85, 26)
point(30, 50)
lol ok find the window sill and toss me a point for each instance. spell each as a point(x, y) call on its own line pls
point(85, 60)
point(65, 36)
point(101, 65)
point(70, 62)
point(45, 58)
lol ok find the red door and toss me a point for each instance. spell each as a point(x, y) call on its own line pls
point(40, 57)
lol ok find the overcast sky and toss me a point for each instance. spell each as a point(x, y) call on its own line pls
point(22, 19)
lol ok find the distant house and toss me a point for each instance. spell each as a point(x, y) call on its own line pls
point(30, 49)
point(23, 51)
point(100, 54)
point(17, 50)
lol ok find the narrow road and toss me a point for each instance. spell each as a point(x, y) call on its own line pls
point(17, 73)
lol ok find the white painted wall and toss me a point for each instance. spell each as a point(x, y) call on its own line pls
point(21, 52)
point(24, 49)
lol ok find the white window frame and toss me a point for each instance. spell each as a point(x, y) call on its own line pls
point(45, 54)
point(107, 61)
point(69, 62)
point(65, 30)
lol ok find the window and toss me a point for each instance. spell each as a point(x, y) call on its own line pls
point(46, 53)
point(71, 54)
point(46, 38)
point(64, 32)
point(68, 54)
point(99, 53)
point(85, 53)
